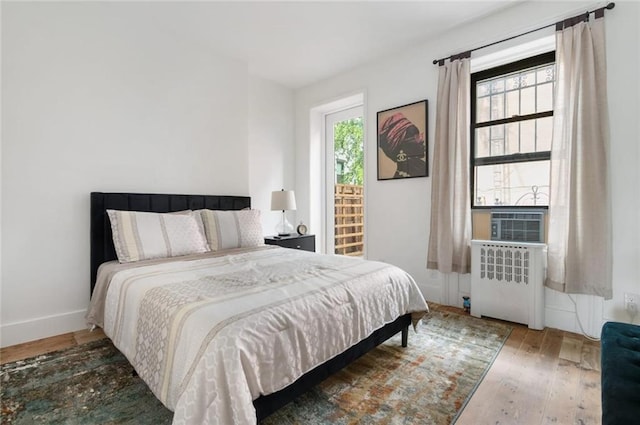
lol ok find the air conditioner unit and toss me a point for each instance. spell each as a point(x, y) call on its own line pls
point(517, 226)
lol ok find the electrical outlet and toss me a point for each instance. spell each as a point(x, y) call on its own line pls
point(631, 304)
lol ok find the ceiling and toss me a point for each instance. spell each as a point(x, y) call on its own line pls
point(296, 43)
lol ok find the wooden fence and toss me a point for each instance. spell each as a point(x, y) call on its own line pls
point(349, 219)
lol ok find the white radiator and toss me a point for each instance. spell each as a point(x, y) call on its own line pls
point(507, 281)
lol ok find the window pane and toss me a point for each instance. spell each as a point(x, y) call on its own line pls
point(515, 184)
point(497, 147)
point(519, 93)
point(513, 103)
point(482, 89)
point(512, 82)
point(497, 107)
point(496, 133)
point(482, 109)
point(513, 138)
point(528, 100)
point(545, 97)
point(527, 136)
point(497, 85)
point(528, 79)
point(545, 74)
point(544, 130)
point(482, 142)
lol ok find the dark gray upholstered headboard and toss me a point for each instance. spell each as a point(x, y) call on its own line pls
point(102, 249)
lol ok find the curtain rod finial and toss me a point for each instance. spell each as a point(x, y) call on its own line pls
point(610, 5)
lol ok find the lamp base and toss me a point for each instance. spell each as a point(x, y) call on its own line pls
point(284, 228)
point(283, 235)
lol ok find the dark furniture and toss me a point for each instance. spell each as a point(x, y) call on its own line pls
point(102, 250)
point(304, 242)
point(620, 361)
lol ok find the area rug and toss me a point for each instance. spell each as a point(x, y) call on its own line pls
point(429, 382)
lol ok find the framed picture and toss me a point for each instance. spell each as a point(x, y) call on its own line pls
point(402, 142)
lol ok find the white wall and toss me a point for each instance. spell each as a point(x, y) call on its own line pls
point(92, 103)
point(623, 68)
point(398, 211)
point(271, 147)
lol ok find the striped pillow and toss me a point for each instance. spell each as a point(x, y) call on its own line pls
point(143, 235)
point(232, 229)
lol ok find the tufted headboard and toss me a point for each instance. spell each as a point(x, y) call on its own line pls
point(102, 248)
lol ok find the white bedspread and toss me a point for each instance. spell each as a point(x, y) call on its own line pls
point(211, 335)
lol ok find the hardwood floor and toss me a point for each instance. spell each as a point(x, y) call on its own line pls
point(539, 377)
point(47, 345)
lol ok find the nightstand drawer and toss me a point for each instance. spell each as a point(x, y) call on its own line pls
point(304, 242)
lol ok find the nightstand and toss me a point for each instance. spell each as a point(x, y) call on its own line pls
point(304, 242)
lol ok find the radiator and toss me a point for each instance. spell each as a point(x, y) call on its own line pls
point(507, 281)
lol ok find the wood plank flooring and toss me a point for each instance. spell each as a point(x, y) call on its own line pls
point(47, 345)
point(539, 377)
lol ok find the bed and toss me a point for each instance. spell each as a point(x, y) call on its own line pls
point(237, 375)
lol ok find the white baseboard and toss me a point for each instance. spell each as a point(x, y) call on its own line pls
point(564, 320)
point(41, 327)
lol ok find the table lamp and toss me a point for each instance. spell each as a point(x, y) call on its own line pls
point(283, 200)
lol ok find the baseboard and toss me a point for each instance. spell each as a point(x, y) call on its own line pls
point(566, 320)
point(562, 319)
point(42, 327)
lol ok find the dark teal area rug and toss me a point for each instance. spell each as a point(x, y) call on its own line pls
point(429, 382)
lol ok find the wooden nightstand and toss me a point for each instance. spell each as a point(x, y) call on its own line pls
point(304, 242)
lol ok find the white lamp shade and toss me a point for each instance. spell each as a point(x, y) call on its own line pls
point(282, 200)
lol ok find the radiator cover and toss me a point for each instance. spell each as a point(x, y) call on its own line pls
point(507, 281)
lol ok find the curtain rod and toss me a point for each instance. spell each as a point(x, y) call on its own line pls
point(609, 6)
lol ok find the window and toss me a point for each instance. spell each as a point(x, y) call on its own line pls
point(511, 126)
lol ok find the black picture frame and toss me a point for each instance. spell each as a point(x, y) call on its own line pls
point(403, 150)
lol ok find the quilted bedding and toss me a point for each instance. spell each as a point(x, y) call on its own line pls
point(212, 334)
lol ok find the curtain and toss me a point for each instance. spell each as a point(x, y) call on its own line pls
point(579, 241)
point(450, 234)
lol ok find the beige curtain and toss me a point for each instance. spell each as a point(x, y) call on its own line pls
point(579, 242)
point(450, 235)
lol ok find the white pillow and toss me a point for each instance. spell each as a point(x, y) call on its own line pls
point(143, 235)
point(232, 229)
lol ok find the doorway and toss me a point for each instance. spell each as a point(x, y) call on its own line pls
point(344, 182)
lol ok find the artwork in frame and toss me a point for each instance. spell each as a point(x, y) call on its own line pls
point(402, 142)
